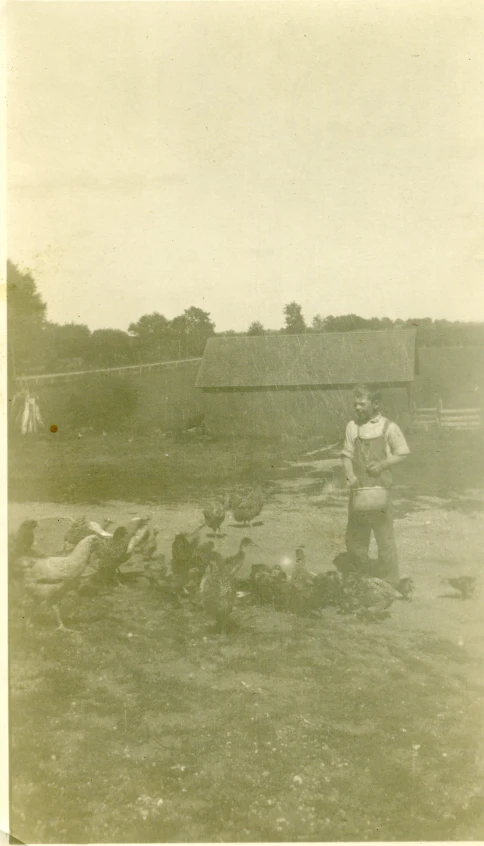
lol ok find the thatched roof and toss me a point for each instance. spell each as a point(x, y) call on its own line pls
point(333, 358)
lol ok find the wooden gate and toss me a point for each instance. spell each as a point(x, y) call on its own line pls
point(446, 418)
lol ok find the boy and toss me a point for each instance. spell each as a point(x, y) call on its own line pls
point(373, 444)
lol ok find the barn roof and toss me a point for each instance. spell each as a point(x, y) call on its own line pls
point(333, 358)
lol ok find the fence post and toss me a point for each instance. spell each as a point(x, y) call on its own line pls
point(439, 412)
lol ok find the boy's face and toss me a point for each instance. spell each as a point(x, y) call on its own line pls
point(365, 408)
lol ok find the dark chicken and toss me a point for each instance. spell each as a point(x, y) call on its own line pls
point(184, 548)
point(111, 553)
point(247, 509)
point(218, 585)
point(21, 543)
point(327, 588)
point(367, 596)
point(261, 584)
point(214, 515)
point(405, 588)
point(190, 558)
point(465, 585)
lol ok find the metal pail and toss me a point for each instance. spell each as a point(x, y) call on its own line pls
point(370, 499)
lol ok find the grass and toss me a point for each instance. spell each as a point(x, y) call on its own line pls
point(149, 467)
point(146, 727)
point(150, 729)
point(152, 467)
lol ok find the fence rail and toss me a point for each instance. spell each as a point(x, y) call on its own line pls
point(447, 418)
point(127, 370)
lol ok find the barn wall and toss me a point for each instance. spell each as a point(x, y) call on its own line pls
point(279, 413)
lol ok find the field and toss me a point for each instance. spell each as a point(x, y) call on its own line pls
point(146, 726)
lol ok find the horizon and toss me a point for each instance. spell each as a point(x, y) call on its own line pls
point(274, 331)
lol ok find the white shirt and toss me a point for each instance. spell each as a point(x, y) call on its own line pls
point(395, 440)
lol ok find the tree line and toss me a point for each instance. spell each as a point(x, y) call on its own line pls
point(36, 344)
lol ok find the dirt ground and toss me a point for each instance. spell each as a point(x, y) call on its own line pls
point(145, 726)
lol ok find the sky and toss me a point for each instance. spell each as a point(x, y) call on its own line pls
point(236, 156)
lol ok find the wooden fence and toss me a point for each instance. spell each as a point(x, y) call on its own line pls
point(127, 370)
point(447, 418)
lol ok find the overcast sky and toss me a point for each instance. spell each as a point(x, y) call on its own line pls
point(239, 155)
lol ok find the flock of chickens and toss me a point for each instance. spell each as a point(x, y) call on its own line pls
point(197, 573)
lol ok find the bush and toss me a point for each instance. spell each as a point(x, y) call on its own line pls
point(102, 402)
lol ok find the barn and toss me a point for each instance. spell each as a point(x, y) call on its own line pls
point(286, 385)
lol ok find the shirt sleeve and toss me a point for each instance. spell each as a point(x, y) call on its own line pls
point(396, 441)
point(348, 450)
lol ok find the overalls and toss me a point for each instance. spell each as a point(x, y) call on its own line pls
point(361, 523)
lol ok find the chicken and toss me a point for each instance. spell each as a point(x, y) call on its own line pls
point(111, 553)
point(302, 594)
point(371, 597)
point(327, 588)
point(217, 592)
point(245, 510)
point(183, 549)
point(100, 530)
point(139, 533)
point(234, 562)
point(156, 571)
point(21, 543)
point(235, 499)
point(301, 575)
point(218, 585)
point(150, 545)
point(281, 590)
point(49, 579)
point(261, 583)
point(214, 514)
point(405, 588)
point(190, 558)
point(465, 585)
point(202, 556)
point(189, 580)
point(81, 528)
point(77, 532)
point(270, 586)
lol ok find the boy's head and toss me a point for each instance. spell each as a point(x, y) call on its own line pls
point(367, 399)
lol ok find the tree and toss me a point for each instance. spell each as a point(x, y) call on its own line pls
point(256, 328)
point(25, 319)
point(65, 343)
point(110, 348)
point(345, 323)
point(191, 331)
point(295, 323)
point(153, 337)
point(318, 324)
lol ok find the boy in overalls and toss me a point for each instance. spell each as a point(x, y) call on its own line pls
point(373, 444)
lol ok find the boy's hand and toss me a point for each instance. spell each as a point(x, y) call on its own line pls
point(375, 468)
point(352, 481)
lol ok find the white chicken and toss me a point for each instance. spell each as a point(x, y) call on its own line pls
point(140, 535)
point(49, 579)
